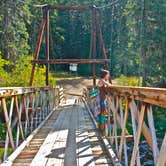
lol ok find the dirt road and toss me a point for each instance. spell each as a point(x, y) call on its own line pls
point(74, 84)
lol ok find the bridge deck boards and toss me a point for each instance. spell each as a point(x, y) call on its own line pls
point(27, 154)
point(67, 142)
point(65, 139)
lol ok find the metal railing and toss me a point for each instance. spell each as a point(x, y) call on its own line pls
point(22, 110)
point(131, 123)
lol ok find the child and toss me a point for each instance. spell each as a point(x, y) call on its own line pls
point(102, 85)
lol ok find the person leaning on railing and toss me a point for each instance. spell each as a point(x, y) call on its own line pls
point(102, 85)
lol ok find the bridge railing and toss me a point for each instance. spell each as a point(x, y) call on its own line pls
point(131, 125)
point(22, 111)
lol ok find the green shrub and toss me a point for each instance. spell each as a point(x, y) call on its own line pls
point(18, 73)
point(128, 81)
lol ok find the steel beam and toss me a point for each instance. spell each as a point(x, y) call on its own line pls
point(68, 61)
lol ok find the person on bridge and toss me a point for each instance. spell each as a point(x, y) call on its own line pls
point(102, 85)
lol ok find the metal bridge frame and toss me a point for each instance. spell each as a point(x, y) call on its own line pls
point(95, 30)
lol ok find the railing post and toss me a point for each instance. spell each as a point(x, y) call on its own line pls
point(145, 97)
point(3, 100)
point(153, 132)
point(7, 135)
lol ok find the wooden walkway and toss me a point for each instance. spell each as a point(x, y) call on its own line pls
point(67, 138)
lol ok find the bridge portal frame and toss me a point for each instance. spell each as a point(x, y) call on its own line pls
point(95, 30)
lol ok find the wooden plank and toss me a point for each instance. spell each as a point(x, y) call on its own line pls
point(109, 149)
point(7, 120)
point(138, 135)
point(7, 136)
point(153, 133)
point(134, 127)
point(161, 161)
point(84, 152)
point(14, 155)
point(123, 129)
point(19, 117)
point(41, 157)
point(145, 129)
point(57, 154)
point(13, 91)
point(73, 94)
point(70, 151)
point(156, 96)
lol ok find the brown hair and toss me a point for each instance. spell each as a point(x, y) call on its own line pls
point(104, 73)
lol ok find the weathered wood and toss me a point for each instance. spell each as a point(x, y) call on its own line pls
point(21, 99)
point(145, 129)
point(42, 156)
point(25, 108)
point(161, 161)
point(3, 100)
point(128, 137)
point(123, 129)
point(84, 151)
point(70, 150)
point(134, 126)
point(153, 133)
point(156, 96)
point(19, 118)
point(25, 143)
point(132, 94)
point(115, 109)
point(138, 135)
point(13, 91)
point(73, 94)
point(7, 136)
point(109, 149)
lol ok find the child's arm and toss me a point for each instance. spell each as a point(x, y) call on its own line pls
point(100, 83)
point(106, 83)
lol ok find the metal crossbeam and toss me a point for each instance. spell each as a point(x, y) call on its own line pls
point(70, 7)
point(68, 61)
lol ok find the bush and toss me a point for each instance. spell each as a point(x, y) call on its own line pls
point(18, 73)
point(128, 81)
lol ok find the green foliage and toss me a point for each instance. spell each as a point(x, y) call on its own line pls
point(3, 131)
point(20, 72)
point(128, 81)
point(4, 75)
point(70, 33)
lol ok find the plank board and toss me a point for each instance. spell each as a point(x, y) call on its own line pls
point(57, 155)
point(67, 143)
point(45, 150)
point(84, 152)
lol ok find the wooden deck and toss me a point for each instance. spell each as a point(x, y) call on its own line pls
point(67, 138)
